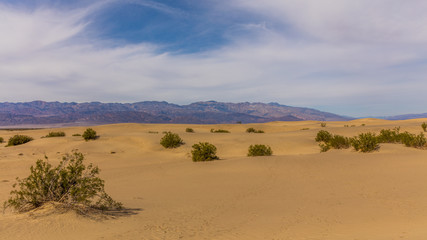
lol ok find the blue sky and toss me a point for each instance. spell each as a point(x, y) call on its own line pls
point(355, 58)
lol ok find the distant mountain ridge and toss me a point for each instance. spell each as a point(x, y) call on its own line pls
point(210, 112)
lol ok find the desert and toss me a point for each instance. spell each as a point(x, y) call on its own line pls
point(297, 193)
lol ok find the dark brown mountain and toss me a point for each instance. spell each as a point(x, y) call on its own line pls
point(40, 112)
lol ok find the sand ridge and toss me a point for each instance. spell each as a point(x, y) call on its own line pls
point(298, 193)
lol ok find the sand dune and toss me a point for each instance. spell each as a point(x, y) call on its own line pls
point(298, 193)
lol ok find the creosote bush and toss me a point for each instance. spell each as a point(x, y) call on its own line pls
point(323, 124)
point(203, 151)
point(18, 140)
point(89, 134)
point(55, 134)
point(77, 135)
point(365, 142)
point(71, 184)
point(253, 130)
point(424, 126)
point(219, 131)
point(189, 130)
point(259, 150)
point(1, 140)
point(171, 140)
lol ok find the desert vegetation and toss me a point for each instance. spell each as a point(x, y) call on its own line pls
point(1, 140)
point(203, 151)
point(171, 140)
point(368, 142)
point(219, 131)
point(71, 183)
point(189, 130)
point(259, 150)
point(18, 140)
point(253, 130)
point(55, 134)
point(424, 126)
point(89, 134)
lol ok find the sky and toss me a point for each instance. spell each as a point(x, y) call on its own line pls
point(355, 58)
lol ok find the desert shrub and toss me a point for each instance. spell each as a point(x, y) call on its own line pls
point(305, 128)
point(70, 183)
point(77, 135)
point(203, 151)
point(259, 150)
point(323, 136)
point(324, 147)
point(219, 131)
point(412, 140)
point(424, 126)
point(365, 142)
point(89, 134)
point(363, 125)
point(189, 130)
point(339, 142)
point(253, 130)
point(323, 124)
point(389, 136)
point(171, 140)
point(1, 140)
point(56, 134)
point(18, 140)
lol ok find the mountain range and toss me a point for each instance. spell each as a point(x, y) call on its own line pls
point(210, 112)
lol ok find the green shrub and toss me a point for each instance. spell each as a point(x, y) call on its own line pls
point(56, 134)
point(253, 130)
point(412, 140)
point(18, 140)
point(77, 135)
point(89, 134)
point(259, 150)
point(323, 136)
point(203, 151)
point(424, 126)
point(323, 124)
point(71, 183)
point(189, 130)
point(219, 131)
point(339, 142)
point(365, 142)
point(1, 140)
point(324, 147)
point(389, 136)
point(171, 140)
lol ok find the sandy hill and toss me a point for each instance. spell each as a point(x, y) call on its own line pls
point(298, 193)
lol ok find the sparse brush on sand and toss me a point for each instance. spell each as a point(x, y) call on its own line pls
point(297, 193)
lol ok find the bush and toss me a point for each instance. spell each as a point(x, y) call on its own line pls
point(424, 126)
point(1, 140)
point(219, 131)
point(89, 134)
point(55, 134)
point(365, 142)
point(189, 130)
point(339, 142)
point(412, 140)
point(18, 140)
point(389, 136)
point(323, 124)
point(77, 135)
point(323, 136)
point(171, 140)
point(71, 183)
point(253, 130)
point(259, 150)
point(203, 151)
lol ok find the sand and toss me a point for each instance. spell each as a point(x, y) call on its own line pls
point(299, 193)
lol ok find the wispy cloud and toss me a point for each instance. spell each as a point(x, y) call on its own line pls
point(350, 57)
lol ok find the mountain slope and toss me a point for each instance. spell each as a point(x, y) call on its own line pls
point(211, 112)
